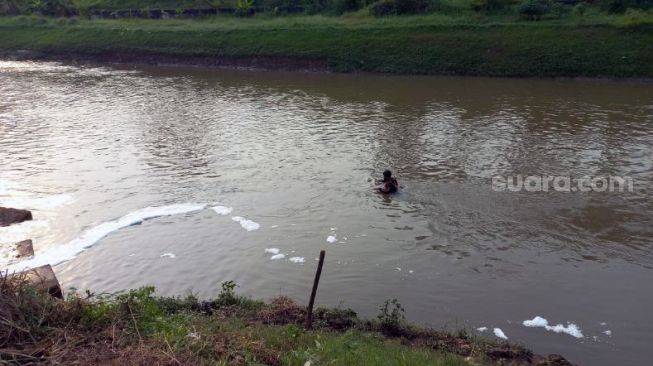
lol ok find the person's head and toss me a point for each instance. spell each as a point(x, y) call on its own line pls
point(387, 175)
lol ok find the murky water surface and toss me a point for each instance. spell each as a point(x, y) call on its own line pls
point(89, 148)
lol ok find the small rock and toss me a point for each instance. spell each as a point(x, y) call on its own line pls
point(25, 249)
point(10, 216)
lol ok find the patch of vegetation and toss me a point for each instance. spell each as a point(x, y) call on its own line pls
point(138, 327)
point(429, 44)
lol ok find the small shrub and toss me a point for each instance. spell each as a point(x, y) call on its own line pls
point(400, 7)
point(173, 305)
point(244, 8)
point(579, 9)
point(383, 8)
point(228, 296)
point(558, 10)
point(293, 331)
point(336, 318)
point(445, 7)
point(346, 6)
point(391, 317)
point(53, 8)
point(620, 6)
point(534, 9)
point(490, 6)
point(635, 16)
point(83, 11)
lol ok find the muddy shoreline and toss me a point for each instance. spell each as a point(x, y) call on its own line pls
point(277, 63)
point(261, 63)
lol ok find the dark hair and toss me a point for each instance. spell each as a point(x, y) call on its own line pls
point(387, 173)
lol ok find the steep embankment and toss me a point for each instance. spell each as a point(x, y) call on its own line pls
point(512, 49)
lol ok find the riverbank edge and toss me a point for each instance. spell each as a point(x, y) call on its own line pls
point(231, 329)
point(496, 51)
point(264, 63)
point(254, 63)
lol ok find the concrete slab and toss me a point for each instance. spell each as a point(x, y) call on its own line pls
point(43, 278)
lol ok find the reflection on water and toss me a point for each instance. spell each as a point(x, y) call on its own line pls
point(298, 154)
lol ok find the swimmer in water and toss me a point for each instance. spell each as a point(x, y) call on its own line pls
point(389, 183)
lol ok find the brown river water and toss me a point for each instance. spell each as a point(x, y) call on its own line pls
point(96, 150)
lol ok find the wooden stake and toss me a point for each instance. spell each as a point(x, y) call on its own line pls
point(309, 316)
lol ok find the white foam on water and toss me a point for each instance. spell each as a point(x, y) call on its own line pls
point(411, 271)
point(222, 210)
point(297, 259)
point(539, 322)
point(169, 255)
point(37, 203)
point(398, 269)
point(608, 332)
point(500, 334)
point(24, 230)
point(278, 256)
point(62, 253)
point(272, 250)
point(481, 329)
point(274, 226)
point(248, 225)
point(331, 239)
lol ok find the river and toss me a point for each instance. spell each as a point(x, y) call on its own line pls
point(181, 178)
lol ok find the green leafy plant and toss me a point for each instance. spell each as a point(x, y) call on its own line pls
point(579, 9)
point(391, 317)
point(293, 331)
point(534, 9)
point(54, 8)
point(244, 8)
point(228, 294)
point(490, 6)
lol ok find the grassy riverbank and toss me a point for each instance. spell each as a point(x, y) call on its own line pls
point(139, 328)
point(611, 46)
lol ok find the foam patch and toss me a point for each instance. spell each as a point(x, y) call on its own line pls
point(539, 322)
point(222, 210)
point(62, 253)
point(246, 224)
point(500, 334)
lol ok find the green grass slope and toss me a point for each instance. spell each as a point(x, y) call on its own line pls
point(407, 45)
